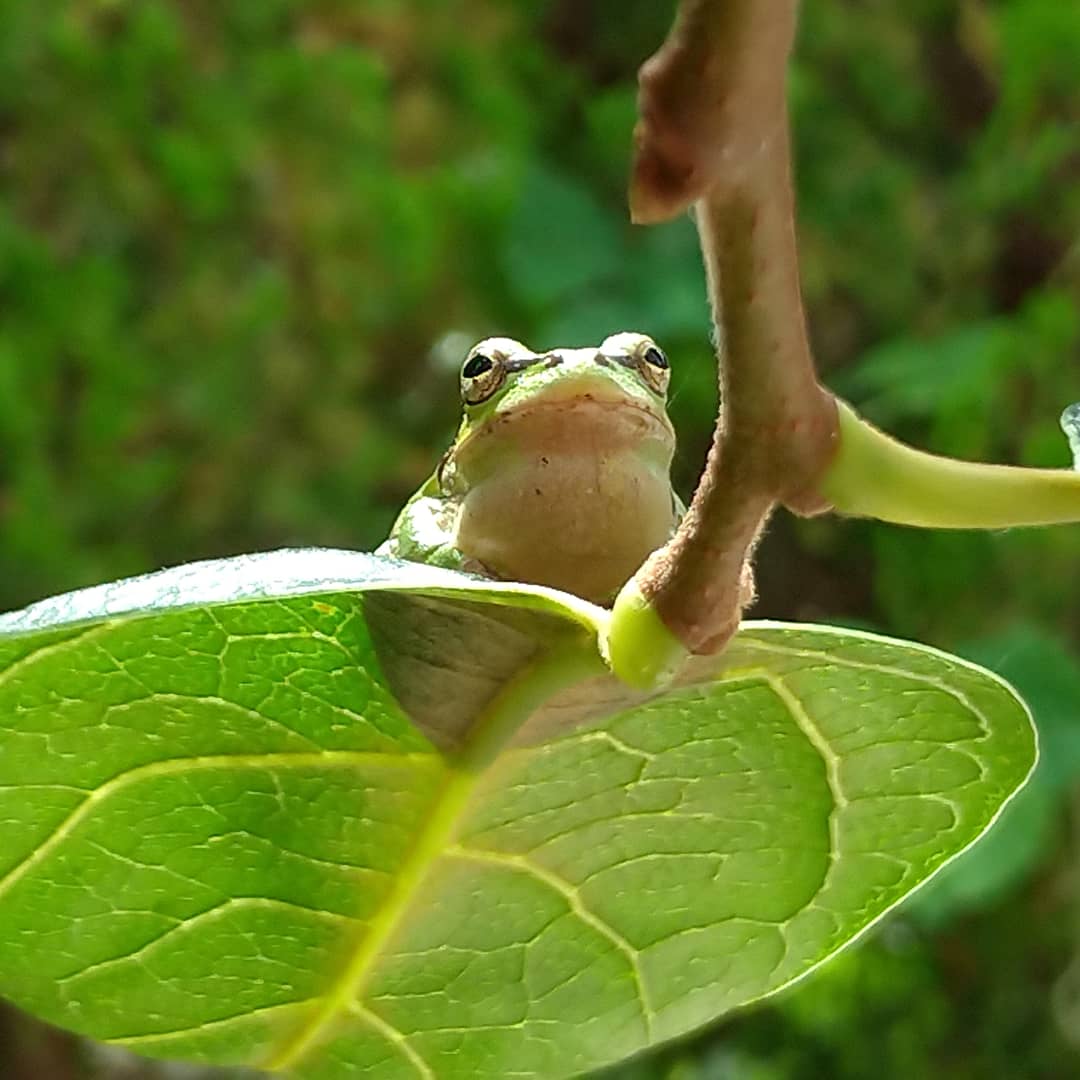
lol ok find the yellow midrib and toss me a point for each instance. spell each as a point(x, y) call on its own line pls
point(550, 672)
point(444, 815)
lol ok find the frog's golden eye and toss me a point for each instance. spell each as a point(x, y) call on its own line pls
point(655, 369)
point(481, 376)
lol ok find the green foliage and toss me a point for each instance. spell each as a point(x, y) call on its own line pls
point(1049, 680)
point(242, 246)
point(240, 849)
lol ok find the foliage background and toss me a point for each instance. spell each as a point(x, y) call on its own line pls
point(243, 247)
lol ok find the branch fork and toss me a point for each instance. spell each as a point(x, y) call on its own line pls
point(713, 137)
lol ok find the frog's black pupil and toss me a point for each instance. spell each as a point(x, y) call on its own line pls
point(477, 365)
point(655, 357)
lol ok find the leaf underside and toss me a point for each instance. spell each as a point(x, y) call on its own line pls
point(224, 839)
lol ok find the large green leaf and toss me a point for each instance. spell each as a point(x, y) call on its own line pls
point(331, 813)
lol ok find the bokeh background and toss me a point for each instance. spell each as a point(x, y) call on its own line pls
point(244, 245)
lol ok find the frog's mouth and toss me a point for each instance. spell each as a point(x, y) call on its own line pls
point(588, 409)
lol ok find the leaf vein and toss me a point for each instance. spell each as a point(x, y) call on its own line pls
point(179, 766)
point(831, 760)
point(54, 647)
point(577, 905)
point(398, 1038)
point(209, 1025)
point(187, 923)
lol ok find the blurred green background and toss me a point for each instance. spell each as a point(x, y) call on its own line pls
point(243, 247)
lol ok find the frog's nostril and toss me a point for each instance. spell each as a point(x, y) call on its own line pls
point(602, 360)
point(552, 361)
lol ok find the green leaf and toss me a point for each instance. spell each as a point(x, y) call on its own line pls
point(329, 813)
point(1042, 669)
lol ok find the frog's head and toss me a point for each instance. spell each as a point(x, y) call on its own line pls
point(573, 444)
point(618, 390)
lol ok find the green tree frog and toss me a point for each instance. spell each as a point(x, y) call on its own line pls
point(559, 474)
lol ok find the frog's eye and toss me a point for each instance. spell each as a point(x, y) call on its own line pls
point(481, 376)
point(655, 369)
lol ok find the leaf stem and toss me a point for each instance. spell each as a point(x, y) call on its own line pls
point(874, 475)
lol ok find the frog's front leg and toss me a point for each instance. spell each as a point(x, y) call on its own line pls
point(424, 532)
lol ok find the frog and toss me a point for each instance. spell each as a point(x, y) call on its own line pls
point(560, 474)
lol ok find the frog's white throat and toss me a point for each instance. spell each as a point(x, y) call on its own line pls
point(572, 494)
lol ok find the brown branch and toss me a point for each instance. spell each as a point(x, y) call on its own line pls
point(714, 132)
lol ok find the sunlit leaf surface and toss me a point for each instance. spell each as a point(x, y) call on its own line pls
point(242, 820)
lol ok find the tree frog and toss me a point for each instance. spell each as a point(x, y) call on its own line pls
point(559, 474)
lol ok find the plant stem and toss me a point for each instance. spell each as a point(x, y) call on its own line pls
point(714, 128)
point(714, 133)
point(709, 98)
point(873, 475)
